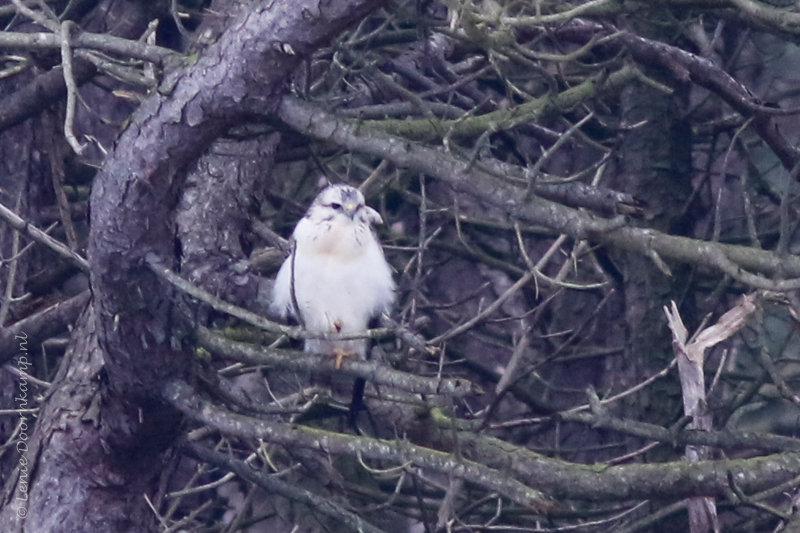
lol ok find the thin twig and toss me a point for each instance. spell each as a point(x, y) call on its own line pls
point(57, 174)
point(72, 88)
point(11, 281)
point(36, 16)
point(19, 224)
point(562, 139)
point(494, 306)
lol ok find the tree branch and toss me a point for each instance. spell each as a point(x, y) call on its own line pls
point(22, 226)
point(371, 371)
point(315, 122)
point(274, 485)
point(401, 452)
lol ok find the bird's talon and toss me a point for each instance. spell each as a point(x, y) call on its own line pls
point(340, 358)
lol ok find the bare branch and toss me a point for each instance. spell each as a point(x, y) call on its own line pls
point(371, 371)
point(185, 399)
point(313, 121)
point(41, 237)
point(273, 484)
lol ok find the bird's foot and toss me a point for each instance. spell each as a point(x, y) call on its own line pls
point(340, 356)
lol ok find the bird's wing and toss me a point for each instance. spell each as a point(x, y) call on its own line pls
point(283, 301)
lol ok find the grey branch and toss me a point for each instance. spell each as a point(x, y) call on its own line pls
point(371, 371)
point(738, 261)
point(184, 398)
point(273, 484)
point(21, 225)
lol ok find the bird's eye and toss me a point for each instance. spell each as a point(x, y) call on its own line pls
point(336, 206)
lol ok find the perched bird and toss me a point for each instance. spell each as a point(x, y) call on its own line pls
point(336, 279)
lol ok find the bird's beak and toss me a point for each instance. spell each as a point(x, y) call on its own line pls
point(350, 209)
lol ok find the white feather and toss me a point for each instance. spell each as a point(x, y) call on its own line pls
point(337, 270)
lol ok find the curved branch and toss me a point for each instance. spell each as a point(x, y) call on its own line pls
point(685, 67)
point(135, 192)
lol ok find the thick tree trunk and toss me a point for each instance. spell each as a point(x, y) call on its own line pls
point(103, 428)
point(89, 463)
point(656, 168)
point(32, 153)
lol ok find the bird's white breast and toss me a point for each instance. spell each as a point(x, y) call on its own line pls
point(341, 279)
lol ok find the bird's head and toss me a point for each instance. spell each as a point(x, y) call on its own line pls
point(343, 200)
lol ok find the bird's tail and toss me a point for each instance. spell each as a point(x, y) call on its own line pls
point(356, 404)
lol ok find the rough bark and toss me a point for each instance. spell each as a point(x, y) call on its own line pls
point(29, 148)
point(103, 428)
point(135, 192)
point(655, 157)
point(91, 457)
point(213, 216)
